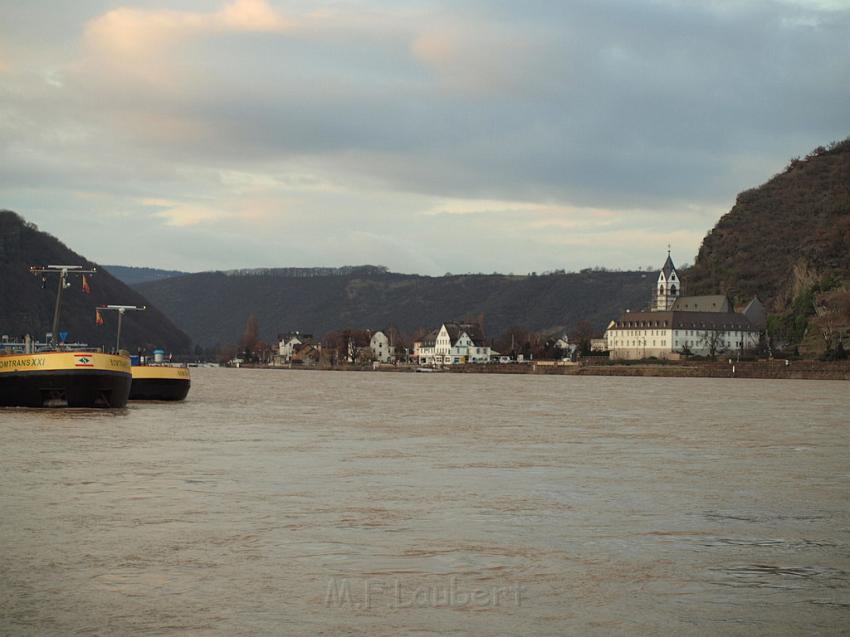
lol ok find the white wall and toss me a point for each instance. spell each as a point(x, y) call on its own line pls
point(630, 344)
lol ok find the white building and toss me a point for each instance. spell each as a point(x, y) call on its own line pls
point(562, 343)
point(288, 342)
point(670, 334)
point(677, 325)
point(423, 351)
point(453, 344)
point(382, 350)
point(599, 344)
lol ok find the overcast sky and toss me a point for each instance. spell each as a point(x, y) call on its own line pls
point(432, 137)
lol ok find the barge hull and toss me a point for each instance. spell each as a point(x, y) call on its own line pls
point(159, 388)
point(65, 388)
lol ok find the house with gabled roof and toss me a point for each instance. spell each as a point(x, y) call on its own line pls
point(453, 344)
point(756, 312)
point(381, 347)
point(424, 350)
point(307, 354)
point(288, 342)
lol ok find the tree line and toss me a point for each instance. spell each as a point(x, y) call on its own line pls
point(350, 346)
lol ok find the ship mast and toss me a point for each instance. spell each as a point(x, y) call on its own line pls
point(63, 271)
point(121, 309)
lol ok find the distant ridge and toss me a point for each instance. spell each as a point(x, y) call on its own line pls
point(26, 308)
point(306, 273)
point(214, 306)
point(132, 275)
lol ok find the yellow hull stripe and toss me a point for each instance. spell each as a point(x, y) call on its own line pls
point(162, 373)
point(63, 361)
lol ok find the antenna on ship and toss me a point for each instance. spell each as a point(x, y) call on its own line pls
point(63, 271)
point(121, 309)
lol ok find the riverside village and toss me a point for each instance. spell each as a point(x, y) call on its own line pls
point(671, 328)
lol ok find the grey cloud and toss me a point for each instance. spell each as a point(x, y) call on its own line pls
point(608, 111)
point(607, 103)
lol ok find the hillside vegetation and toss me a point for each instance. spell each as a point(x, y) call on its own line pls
point(213, 306)
point(782, 236)
point(787, 241)
point(27, 308)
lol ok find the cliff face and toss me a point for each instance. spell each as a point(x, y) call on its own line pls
point(27, 308)
point(782, 237)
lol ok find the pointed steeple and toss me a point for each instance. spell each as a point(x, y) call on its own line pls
point(668, 265)
point(668, 288)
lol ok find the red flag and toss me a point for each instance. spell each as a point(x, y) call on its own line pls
point(86, 287)
point(98, 319)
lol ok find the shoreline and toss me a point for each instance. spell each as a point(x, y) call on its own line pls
point(772, 369)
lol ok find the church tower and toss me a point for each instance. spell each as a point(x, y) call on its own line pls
point(667, 288)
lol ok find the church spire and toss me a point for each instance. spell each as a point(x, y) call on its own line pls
point(668, 268)
point(668, 288)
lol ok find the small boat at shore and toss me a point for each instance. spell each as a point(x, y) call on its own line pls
point(55, 374)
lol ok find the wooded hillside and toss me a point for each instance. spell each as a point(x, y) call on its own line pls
point(214, 306)
point(27, 308)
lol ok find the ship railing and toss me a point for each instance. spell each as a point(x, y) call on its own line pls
point(33, 347)
point(150, 363)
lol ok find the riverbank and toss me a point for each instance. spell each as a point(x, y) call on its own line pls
point(773, 369)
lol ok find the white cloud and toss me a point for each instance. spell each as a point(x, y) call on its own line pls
point(184, 214)
point(141, 33)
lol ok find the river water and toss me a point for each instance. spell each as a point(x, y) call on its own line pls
point(326, 503)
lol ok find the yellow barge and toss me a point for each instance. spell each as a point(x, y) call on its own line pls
point(159, 382)
point(64, 379)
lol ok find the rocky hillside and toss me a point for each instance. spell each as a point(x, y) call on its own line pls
point(213, 306)
point(27, 308)
point(784, 237)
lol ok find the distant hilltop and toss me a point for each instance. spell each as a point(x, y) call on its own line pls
point(133, 275)
point(213, 306)
point(27, 308)
point(306, 273)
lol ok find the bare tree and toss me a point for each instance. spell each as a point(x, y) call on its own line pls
point(581, 335)
point(331, 347)
point(832, 310)
point(513, 341)
point(349, 345)
point(248, 342)
point(714, 340)
point(226, 353)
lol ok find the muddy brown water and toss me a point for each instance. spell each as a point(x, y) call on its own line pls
point(323, 503)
